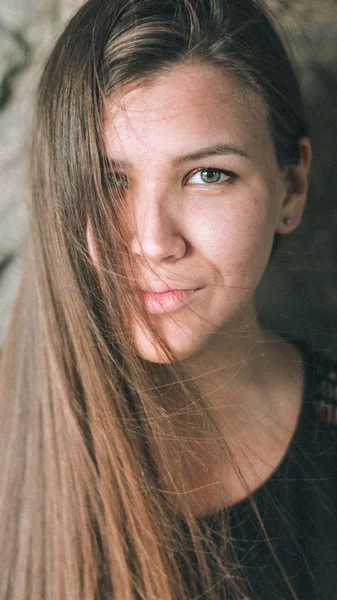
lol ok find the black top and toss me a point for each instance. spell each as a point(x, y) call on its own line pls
point(298, 503)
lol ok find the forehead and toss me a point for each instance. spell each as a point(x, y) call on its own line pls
point(180, 108)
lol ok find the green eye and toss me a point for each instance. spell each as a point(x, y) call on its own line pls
point(211, 175)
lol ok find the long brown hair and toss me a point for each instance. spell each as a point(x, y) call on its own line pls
point(93, 504)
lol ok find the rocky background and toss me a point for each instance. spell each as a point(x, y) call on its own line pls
point(298, 294)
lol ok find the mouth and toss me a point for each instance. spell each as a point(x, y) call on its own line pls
point(158, 302)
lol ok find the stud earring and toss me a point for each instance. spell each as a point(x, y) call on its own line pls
point(287, 220)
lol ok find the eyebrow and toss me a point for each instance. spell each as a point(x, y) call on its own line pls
point(217, 149)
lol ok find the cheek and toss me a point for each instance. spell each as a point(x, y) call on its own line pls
point(235, 238)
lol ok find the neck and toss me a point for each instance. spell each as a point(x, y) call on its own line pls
point(253, 384)
point(241, 368)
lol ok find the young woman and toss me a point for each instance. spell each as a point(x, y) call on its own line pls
point(158, 443)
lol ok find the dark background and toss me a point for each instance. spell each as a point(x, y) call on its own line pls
point(299, 290)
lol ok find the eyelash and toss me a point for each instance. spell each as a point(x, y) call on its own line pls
point(230, 176)
point(114, 176)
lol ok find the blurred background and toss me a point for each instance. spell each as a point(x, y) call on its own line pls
point(298, 294)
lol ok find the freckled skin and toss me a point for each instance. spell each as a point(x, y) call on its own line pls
point(188, 233)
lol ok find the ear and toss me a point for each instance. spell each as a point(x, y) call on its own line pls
point(296, 182)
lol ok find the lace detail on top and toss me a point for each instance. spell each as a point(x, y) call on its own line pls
point(326, 395)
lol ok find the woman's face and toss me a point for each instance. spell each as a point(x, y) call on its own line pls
point(204, 196)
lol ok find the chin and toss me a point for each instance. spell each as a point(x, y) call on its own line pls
point(182, 346)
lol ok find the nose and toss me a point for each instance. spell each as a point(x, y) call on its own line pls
point(157, 234)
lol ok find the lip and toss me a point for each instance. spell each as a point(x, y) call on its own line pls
point(159, 302)
point(153, 290)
